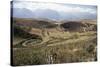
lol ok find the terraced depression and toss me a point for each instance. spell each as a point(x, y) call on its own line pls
point(53, 43)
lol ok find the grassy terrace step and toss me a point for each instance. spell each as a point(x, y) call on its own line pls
point(26, 42)
point(53, 40)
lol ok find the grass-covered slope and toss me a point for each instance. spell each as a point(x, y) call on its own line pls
point(64, 43)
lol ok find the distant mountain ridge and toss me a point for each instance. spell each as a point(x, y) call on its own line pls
point(50, 14)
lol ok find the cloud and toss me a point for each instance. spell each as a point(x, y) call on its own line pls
point(57, 7)
point(64, 10)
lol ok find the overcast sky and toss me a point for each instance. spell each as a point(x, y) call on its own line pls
point(60, 8)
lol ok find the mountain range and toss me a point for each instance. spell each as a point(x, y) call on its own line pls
point(51, 14)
